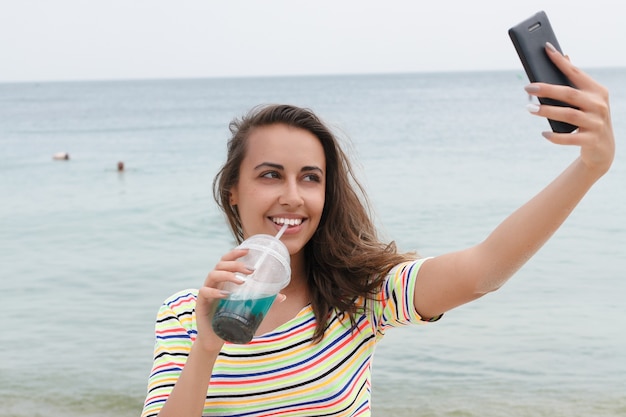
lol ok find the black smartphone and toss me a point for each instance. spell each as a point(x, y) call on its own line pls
point(529, 38)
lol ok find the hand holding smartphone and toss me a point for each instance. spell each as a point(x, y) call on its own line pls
point(529, 38)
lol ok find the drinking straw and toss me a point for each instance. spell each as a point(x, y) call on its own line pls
point(278, 235)
point(281, 231)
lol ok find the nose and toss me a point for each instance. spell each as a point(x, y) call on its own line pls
point(290, 195)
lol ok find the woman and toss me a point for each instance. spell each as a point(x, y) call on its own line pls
point(312, 354)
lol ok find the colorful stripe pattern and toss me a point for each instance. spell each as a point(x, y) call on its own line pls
point(282, 373)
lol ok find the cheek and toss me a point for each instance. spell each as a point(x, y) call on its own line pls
point(317, 203)
point(249, 195)
point(254, 199)
point(322, 205)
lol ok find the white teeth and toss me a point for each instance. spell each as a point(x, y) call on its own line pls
point(290, 222)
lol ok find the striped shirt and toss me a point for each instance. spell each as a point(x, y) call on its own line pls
point(283, 373)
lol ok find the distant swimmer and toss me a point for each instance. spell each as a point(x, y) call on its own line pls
point(61, 156)
point(120, 166)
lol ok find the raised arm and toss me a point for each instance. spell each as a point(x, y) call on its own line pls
point(450, 280)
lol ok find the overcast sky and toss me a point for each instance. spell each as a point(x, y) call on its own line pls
point(134, 39)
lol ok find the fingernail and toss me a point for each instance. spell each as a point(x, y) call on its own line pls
point(551, 47)
point(225, 293)
point(249, 269)
point(547, 135)
point(532, 107)
point(281, 297)
point(532, 88)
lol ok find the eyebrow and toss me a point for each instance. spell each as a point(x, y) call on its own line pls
point(305, 168)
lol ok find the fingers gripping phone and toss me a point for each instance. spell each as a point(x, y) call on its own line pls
point(529, 38)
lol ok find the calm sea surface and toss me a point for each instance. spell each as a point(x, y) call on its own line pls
point(88, 254)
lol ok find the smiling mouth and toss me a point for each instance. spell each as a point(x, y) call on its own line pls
point(291, 222)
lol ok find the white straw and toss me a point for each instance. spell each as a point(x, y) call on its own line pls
point(281, 231)
point(278, 235)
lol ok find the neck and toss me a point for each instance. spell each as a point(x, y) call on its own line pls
point(298, 286)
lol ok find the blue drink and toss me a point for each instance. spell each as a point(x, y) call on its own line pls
point(237, 320)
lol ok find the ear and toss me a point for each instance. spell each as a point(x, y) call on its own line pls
point(233, 196)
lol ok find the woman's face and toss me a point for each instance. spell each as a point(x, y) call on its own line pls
point(282, 179)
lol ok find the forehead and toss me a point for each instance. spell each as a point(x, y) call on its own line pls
point(284, 144)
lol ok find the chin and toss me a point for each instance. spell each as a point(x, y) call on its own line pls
point(294, 249)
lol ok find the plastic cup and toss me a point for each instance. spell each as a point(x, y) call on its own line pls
point(237, 317)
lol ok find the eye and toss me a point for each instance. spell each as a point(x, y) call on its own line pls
point(270, 174)
point(312, 178)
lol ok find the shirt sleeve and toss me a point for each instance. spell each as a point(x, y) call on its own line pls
point(175, 331)
point(395, 305)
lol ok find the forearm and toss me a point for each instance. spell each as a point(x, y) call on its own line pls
point(188, 395)
point(525, 231)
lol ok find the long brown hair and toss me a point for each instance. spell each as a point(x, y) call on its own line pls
point(344, 258)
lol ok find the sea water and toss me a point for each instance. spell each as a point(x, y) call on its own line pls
point(88, 254)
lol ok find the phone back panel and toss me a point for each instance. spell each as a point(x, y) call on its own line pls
point(529, 38)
